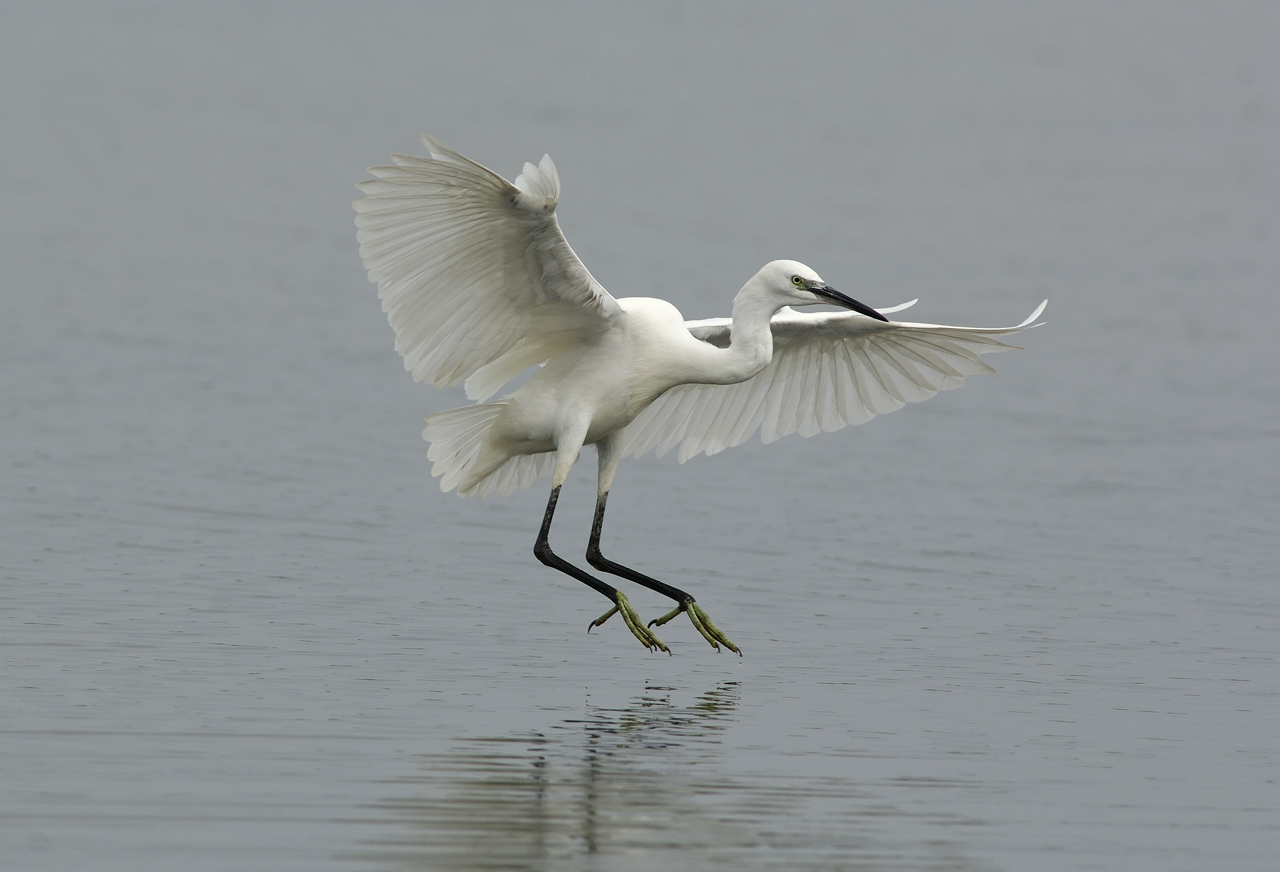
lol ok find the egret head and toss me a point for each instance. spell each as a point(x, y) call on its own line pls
point(801, 286)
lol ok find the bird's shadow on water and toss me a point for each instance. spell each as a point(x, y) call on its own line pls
point(637, 787)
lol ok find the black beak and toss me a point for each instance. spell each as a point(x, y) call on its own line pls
point(839, 299)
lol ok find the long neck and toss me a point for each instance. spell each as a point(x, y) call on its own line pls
point(751, 341)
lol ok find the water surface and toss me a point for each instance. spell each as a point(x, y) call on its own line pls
point(1029, 624)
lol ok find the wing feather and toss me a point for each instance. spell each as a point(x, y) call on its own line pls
point(932, 363)
point(914, 386)
point(829, 402)
point(828, 371)
point(704, 427)
point(852, 409)
point(678, 424)
point(473, 270)
point(882, 397)
point(792, 389)
point(756, 391)
point(806, 418)
point(778, 378)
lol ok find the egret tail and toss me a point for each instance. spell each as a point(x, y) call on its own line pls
point(457, 438)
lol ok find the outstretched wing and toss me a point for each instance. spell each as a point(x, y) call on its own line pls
point(828, 371)
point(474, 274)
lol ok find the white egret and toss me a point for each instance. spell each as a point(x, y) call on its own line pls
point(479, 285)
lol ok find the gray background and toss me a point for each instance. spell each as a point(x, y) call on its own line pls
point(1030, 624)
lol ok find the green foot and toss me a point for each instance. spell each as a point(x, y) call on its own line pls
point(634, 624)
point(701, 622)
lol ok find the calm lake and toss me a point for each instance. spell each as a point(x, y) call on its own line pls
point(1031, 624)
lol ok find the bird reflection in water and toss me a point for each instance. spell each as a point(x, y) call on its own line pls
point(637, 787)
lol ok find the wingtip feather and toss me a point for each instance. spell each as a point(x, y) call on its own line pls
point(899, 307)
point(1033, 316)
point(436, 148)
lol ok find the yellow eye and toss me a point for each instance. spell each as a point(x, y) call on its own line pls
point(797, 281)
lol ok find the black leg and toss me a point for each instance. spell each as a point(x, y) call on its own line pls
point(604, 564)
point(687, 603)
point(542, 550)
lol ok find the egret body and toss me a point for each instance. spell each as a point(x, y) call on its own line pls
point(479, 284)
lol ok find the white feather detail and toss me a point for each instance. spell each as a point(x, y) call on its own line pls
point(473, 271)
point(457, 437)
point(829, 370)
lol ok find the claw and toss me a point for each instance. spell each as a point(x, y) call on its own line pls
point(710, 631)
point(658, 622)
point(701, 622)
point(633, 622)
point(599, 622)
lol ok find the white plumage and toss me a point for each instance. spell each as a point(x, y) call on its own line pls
point(479, 284)
point(828, 371)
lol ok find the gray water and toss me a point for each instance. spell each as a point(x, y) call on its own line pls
point(1029, 624)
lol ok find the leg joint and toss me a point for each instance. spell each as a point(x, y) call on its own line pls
point(596, 559)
